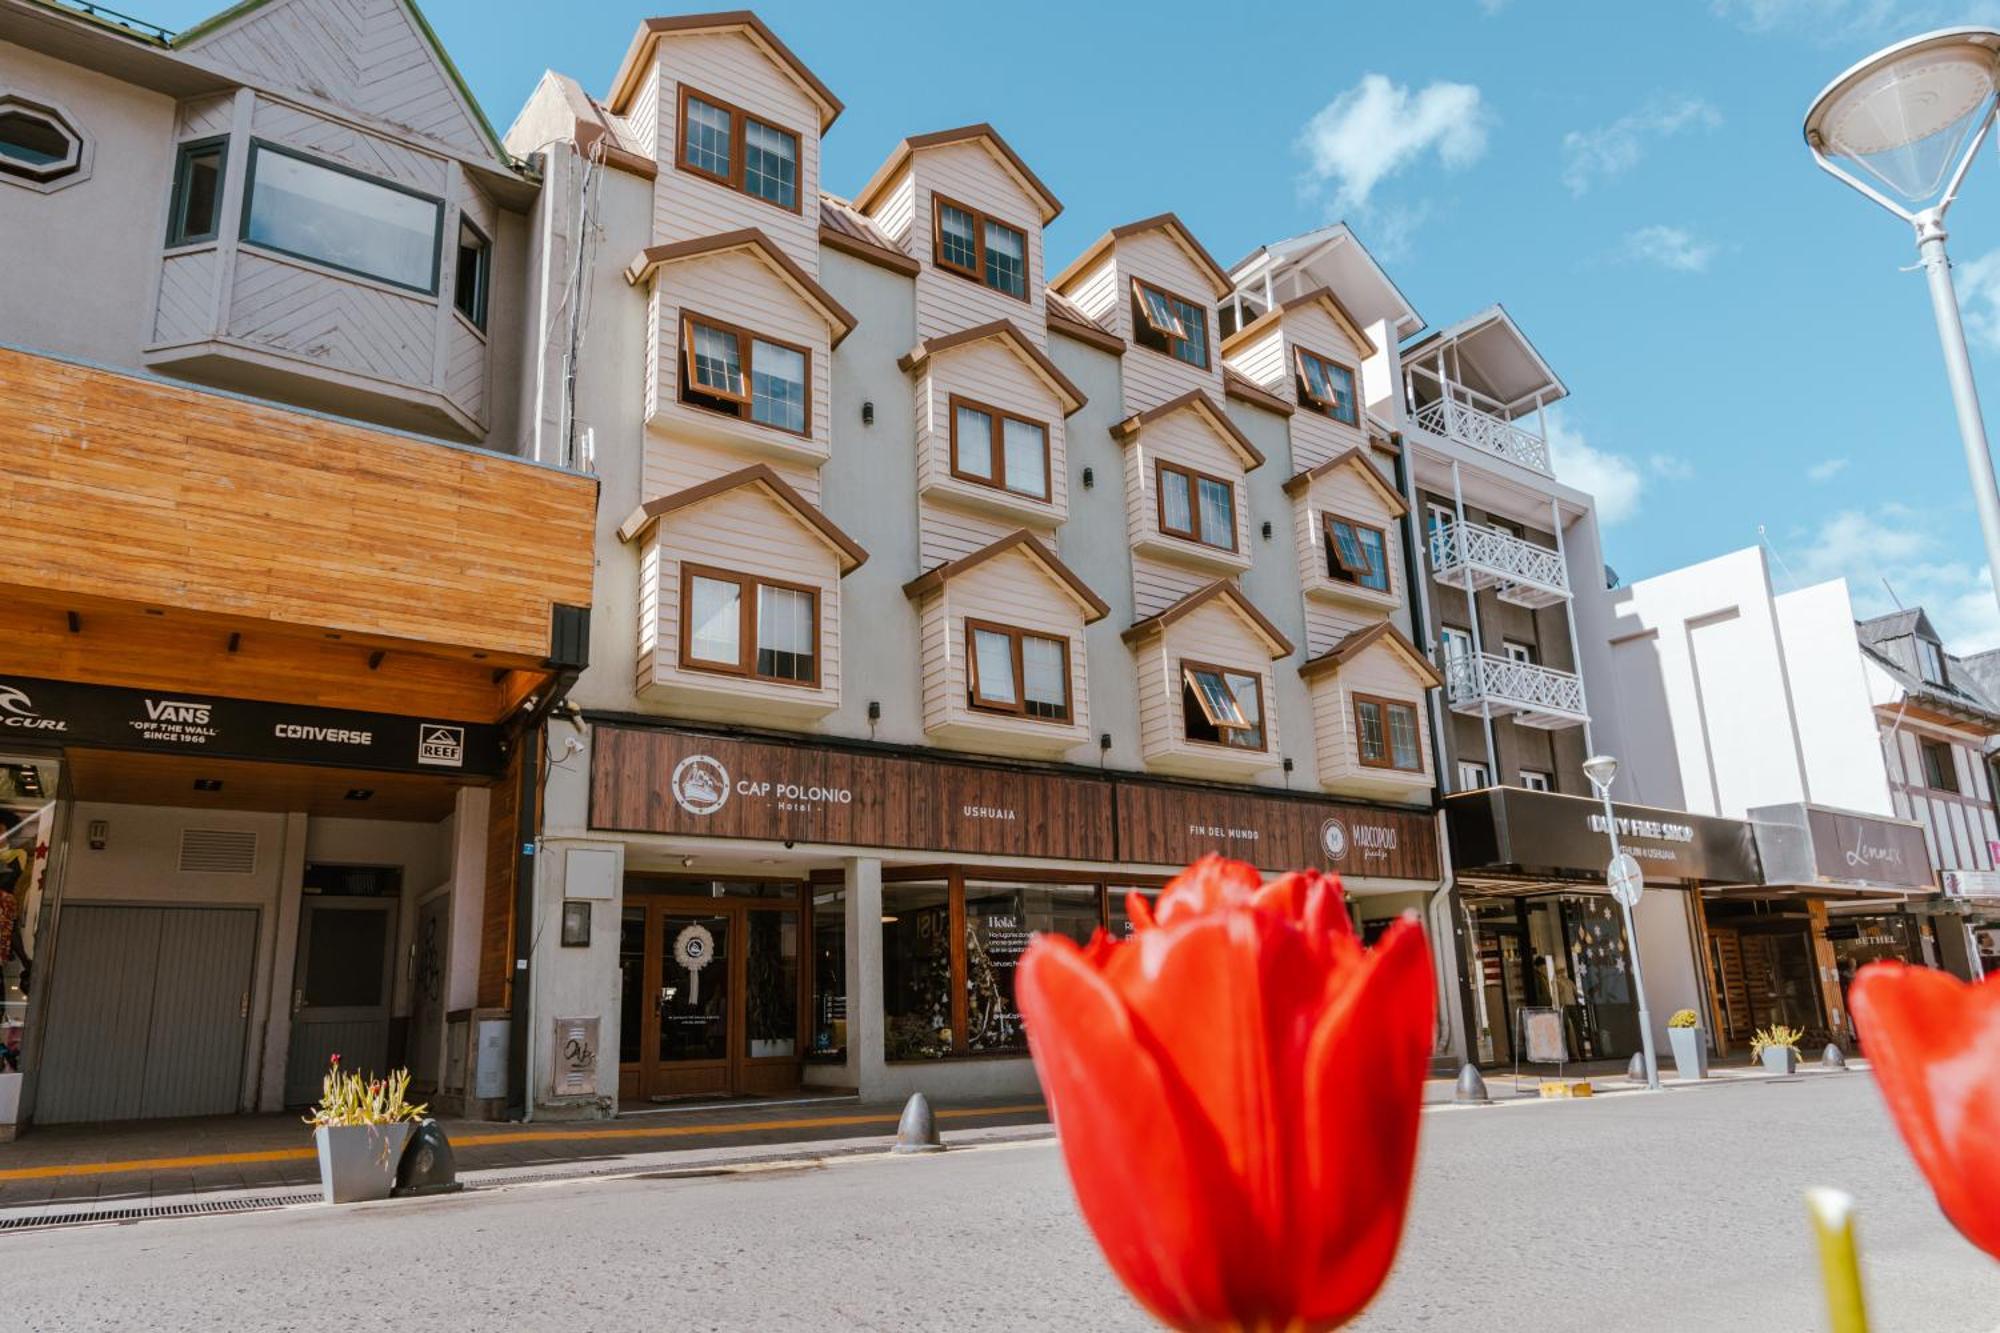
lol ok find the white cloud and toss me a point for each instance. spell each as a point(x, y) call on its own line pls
point(1840, 21)
point(1593, 156)
point(1611, 478)
point(1901, 545)
point(1670, 467)
point(1378, 128)
point(1491, 7)
point(1826, 469)
point(1670, 247)
point(1979, 298)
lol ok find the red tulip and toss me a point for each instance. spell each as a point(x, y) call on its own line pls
point(1934, 1043)
point(1236, 1090)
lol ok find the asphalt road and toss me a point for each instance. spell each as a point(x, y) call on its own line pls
point(1672, 1212)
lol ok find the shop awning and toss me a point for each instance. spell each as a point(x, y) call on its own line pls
point(1542, 836)
point(1817, 847)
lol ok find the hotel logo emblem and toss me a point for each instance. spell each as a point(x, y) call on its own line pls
point(1333, 839)
point(441, 745)
point(700, 784)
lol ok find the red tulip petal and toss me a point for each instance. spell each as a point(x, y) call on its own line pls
point(1210, 884)
point(1231, 1000)
point(1934, 1043)
point(1364, 1093)
point(1149, 1178)
point(1139, 911)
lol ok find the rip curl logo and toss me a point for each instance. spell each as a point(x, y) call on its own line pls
point(17, 711)
point(1333, 839)
point(700, 784)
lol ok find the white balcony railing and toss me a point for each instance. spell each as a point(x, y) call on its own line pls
point(1534, 696)
point(1481, 430)
point(1469, 556)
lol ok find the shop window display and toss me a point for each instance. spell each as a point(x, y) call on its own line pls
point(27, 832)
point(916, 971)
point(829, 998)
point(999, 921)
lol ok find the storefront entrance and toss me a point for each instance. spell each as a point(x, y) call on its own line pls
point(1763, 974)
point(712, 997)
point(1563, 951)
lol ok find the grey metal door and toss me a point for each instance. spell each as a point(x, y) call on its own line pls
point(340, 1004)
point(148, 1011)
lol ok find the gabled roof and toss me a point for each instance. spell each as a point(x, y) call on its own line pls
point(1022, 346)
point(1492, 355)
point(1094, 607)
point(844, 228)
point(1896, 625)
point(749, 238)
point(1208, 409)
point(1360, 640)
point(735, 20)
point(1068, 318)
point(982, 134)
point(1332, 256)
point(1167, 222)
point(850, 552)
point(1232, 596)
point(1239, 386)
point(1356, 458)
point(1322, 297)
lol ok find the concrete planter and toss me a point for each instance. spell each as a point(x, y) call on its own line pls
point(1780, 1060)
point(357, 1163)
point(1690, 1046)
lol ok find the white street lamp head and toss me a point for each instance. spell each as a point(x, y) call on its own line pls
point(1904, 116)
point(1600, 769)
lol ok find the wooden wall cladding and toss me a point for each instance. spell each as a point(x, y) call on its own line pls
point(657, 780)
point(128, 488)
point(503, 863)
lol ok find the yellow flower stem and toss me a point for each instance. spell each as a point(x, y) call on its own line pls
point(1839, 1259)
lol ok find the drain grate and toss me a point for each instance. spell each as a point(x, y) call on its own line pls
point(141, 1212)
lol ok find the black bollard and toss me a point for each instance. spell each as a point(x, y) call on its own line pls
point(427, 1166)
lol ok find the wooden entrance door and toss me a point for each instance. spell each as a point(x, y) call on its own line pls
point(720, 1009)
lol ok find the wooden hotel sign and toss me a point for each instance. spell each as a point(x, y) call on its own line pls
point(659, 780)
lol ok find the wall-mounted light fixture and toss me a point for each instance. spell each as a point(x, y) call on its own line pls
point(1089, 479)
point(1267, 529)
point(874, 710)
point(868, 413)
point(1104, 741)
point(99, 834)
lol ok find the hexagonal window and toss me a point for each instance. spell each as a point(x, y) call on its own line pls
point(39, 147)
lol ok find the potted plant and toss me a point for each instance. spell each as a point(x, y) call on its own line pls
point(360, 1127)
point(1776, 1048)
point(1690, 1045)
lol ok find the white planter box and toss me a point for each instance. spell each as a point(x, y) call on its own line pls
point(358, 1163)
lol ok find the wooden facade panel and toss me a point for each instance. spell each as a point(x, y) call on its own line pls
point(503, 862)
point(1172, 826)
point(132, 490)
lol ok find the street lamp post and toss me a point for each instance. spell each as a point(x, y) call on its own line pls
point(1601, 769)
point(1912, 117)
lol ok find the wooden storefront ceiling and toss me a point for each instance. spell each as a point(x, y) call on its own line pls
point(128, 489)
point(123, 778)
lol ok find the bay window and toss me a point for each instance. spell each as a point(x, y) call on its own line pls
point(1356, 553)
point(1196, 506)
point(974, 245)
point(1327, 387)
point(1220, 706)
point(745, 375)
point(1011, 670)
point(1385, 734)
point(994, 447)
point(1170, 324)
point(739, 624)
point(330, 215)
point(734, 148)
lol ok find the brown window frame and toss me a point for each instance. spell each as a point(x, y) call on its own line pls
point(1193, 476)
point(977, 273)
point(1143, 325)
point(1948, 764)
point(737, 157)
point(746, 348)
point(746, 634)
point(1310, 399)
point(1188, 667)
point(1388, 759)
point(1337, 567)
point(996, 450)
point(1015, 636)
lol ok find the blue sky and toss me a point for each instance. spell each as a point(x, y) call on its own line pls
point(1741, 347)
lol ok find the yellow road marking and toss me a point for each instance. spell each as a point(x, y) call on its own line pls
point(469, 1141)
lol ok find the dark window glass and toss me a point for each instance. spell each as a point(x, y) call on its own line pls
point(31, 140)
point(346, 959)
point(353, 881)
point(770, 164)
point(1121, 923)
point(771, 985)
point(957, 238)
point(916, 971)
point(694, 988)
point(631, 982)
point(475, 261)
point(197, 194)
point(708, 136)
point(316, 211)
point(829, 994)
point(1006, 259)
point(1940, 773)
point(999, 921)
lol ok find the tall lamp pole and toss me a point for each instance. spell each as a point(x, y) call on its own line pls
point(1624, 879)
point(1911, 117)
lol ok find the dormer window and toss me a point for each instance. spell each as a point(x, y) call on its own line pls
point(732, 147)
point(1356, 553)
point(1385, 732)
point(1222, 707)
point(1169, 323)
point(1014, 671)
point(742, 374)
point(995, 448)
point(1327, 386)
point(742, 625)
point(1930, 662)
point(1196, 506)
point(973, 245)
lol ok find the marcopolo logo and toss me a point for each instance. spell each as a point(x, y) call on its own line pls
point(17, 711)
point(1376, 841)
point(1333, 839)
point(700, 784)
point(441, 745)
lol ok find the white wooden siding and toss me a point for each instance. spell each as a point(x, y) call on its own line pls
point(744, 531)
point(186, 311)
point(465, 369)
point(1262, 362)
point(1332, 607)
point(896, 210)
point(676, 460)
point(1316, 437)
point(1151, 377)
point(729, 65)
point(989, 372)
point(1096, 294)
point(1008, 590)
point(947, 302)
point(356, 327)
point(203, 117)
point(1379, 671)
point(1214, 634)
point(369, 154)
point(1170, 567)
point(642, 115)
point(364, 55)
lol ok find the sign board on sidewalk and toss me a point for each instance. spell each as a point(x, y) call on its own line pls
point(1542, 1034)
